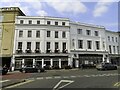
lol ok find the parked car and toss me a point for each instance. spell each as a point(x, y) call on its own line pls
point(31, 69)
point(3, 70)
point(106, 66)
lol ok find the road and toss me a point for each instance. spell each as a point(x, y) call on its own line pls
point(59, 79)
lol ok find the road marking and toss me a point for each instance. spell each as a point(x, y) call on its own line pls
point(86, 76)
point(48, 77)
point(57, 85)
point(117, 84)
point(31, 78)
point(4, 81)
point(65, 76)
point(57, 77)
point(39, 78)
point(20, 84)
point(73, 76)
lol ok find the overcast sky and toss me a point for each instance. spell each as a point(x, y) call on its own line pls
point(98, 12)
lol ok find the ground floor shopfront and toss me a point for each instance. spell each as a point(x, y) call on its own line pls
point(115, 59)
point(89, 58)
point(47, 61)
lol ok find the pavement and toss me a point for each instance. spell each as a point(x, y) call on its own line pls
point(51, 77)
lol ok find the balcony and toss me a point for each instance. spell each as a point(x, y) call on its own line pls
point(28, 51)
point(65, 51)
point(19, 51)
point(37, 51)
point(48, 51)
point(57, 51)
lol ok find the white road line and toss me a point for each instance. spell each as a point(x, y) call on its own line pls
point(86, 76)
point(65, 76)
point(56, 87)
point(94, 75)
point(20, 84)
point(48, 77)
point(79, 76)
point(4, 81)
point(73, 76)
point(39, 78)
point(101, 75)
point(57, 77)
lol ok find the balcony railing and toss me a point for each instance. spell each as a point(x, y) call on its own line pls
point(19, 51)
point(57, 51)
point(37, 51)
point(28, 51)
point(48, 51)
point(65, 51)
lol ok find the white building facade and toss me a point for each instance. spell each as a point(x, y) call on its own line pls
point(57, 42)
point(42, 41)
point(88, 44)
point(113, 45)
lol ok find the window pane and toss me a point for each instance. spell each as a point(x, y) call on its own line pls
point(89, 44)
point(79, 31)
point(56, 23)
point(48, 33)
point(97, 45)
point(38, 22)
point(37, 45)
point(29, 45)
point(88, 32)
point(96, 33)
point(64, 46)
point(48, 45)
point(30, 21)
point(63, 23)
point(56, 45)
point(21, 21)
point(56, 34)
point(29, 33)
point(110, 49)
point(37, 33)
point(80, 44)
point(20, 33)
point(48, 22)
point(19, 45)
point(64, 34)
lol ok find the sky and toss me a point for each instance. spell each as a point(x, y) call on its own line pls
point(96, 12)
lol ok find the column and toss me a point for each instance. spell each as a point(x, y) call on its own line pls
point(33, 63)
point(51, 62)
point(42, 63)
point(69, 61)
point(13, 63)
point(23, 62)
point(59, 63)
point(77, 63)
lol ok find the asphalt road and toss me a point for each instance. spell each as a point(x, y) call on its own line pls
point(59, 79)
